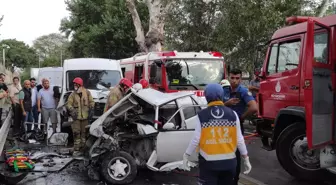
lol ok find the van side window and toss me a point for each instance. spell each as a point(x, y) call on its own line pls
point(289, 56)
point(271, 69)
point(159, 76)
point(284, 56)
point(321, 48)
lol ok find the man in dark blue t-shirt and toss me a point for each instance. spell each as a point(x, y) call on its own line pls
point(241, 101)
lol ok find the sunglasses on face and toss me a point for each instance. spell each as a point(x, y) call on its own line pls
point(234, 78)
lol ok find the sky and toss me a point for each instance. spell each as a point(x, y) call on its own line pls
point(25, 20)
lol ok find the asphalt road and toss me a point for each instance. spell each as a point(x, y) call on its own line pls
point(266, 169)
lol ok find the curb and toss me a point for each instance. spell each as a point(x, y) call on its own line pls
point(246, 180)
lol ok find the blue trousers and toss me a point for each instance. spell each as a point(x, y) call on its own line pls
point(215, 177)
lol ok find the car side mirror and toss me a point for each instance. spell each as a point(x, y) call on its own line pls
point(168, 126)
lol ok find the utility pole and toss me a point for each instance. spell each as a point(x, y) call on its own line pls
point(4, 47)
point(61, 58)
point(39, 61)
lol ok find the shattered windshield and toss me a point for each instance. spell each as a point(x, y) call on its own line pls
point(194, 72)
point(94, 79)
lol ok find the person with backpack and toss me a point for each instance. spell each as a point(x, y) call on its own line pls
point(80, 105)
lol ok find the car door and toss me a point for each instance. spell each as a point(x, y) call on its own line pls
point(172, 143)
point(318, 85)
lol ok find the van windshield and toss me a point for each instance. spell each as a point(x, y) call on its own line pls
point(94, 79)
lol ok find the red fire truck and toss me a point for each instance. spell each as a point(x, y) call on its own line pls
point(172, 71)
point(297, 97)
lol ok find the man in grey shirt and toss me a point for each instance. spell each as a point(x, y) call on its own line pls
point(46, 99)
point(254, 85)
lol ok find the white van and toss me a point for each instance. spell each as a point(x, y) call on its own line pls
point(98, 75)
point(54, 74)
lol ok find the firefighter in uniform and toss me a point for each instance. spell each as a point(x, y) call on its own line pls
point(218, 136)
point(117, 93)
point(80, 104)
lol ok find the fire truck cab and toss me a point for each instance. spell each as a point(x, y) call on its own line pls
point(172, 71)
point(297, 97)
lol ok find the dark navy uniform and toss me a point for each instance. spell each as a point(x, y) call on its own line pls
point(245, 97)
point(218, 136)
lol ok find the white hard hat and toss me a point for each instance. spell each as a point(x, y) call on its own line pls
point(137, 86)
point(225, 83)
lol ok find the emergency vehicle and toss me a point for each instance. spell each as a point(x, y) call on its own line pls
point(173, 71)
point(297, 97)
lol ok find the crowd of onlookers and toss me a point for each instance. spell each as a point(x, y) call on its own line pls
point(27, 102)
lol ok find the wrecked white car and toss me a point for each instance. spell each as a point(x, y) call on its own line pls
point(146, 128)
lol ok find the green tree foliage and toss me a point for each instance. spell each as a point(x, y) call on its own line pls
point(19, 54)
point(236, 28)
point(51, 49)
point(100, 28)
point(191, 26)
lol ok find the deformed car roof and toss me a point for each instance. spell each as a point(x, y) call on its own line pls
point(157, 98)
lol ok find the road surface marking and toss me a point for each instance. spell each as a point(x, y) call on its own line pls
point(246, 180)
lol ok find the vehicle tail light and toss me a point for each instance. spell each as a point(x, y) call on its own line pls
point(216, 54)
point(167, 54)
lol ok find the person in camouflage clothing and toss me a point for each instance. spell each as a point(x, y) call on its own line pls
point(80, 105)
point(117, 93)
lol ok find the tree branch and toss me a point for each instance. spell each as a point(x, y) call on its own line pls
point(140, 35)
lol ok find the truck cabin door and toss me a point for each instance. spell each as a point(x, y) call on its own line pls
point(318, 85)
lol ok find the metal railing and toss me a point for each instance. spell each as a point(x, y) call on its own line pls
point(5, 129)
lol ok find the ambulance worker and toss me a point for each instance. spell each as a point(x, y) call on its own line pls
point(218, 136)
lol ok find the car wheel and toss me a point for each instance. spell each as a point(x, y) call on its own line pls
point(10, 178)
point(118, 168)
point(294, 155)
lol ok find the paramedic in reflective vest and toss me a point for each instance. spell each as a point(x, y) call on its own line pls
point(117, 93)
point(243, 103)
point(218, 136)
point(80, 105)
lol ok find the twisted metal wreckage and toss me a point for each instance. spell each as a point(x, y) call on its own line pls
point(125, 138)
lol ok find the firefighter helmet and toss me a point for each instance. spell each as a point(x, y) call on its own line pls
point(78, 81)
point(225, 83)
point(125, 83)
point(144, 83)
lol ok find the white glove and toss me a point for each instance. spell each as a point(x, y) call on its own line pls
point(247, 165)
point(186, 162)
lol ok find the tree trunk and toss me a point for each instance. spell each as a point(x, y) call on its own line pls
point(140, 36)
point(323, 8)
point(154, 38)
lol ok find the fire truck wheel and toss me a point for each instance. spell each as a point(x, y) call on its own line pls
point(295, 157)
point(118, 167)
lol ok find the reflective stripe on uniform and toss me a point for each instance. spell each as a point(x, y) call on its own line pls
point(218, 139)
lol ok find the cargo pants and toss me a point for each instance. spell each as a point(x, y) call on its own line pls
point(79, 133)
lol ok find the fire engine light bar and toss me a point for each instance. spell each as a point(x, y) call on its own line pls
point(296, 19)
point(216, 54)
point(167, 54)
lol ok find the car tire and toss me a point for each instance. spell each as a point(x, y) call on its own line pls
point(284, 151)
point(110, 159)
point(10, 180)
